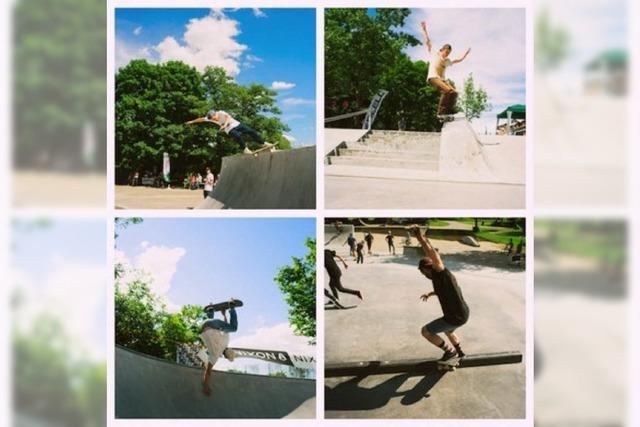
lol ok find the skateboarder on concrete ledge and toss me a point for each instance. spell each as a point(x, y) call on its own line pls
point(231, 127)
point(445, 287)
point(438, 63)
point(215, 336)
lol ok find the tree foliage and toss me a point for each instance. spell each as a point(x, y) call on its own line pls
point(59, 80)
point(152, 102)
point(473, 101)
point(298, 282)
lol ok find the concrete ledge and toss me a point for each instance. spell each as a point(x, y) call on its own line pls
point(416, 366)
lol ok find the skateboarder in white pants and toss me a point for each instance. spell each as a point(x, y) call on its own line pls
point(232, 127)
point(215, 336)
point(445, 287)
point(438, 63)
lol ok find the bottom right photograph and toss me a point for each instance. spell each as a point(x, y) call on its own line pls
point(425, 318)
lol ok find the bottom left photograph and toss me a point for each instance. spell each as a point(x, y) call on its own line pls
point(215, 318)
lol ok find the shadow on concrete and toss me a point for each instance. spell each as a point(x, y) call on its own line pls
point(468, 260)
point(350, 396)
point(333, 307)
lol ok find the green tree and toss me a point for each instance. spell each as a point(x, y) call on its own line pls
point(59, 79)
point(359, 47)
point(298, 282)
point(154, 100)
point(473, 101)
point(552, 43)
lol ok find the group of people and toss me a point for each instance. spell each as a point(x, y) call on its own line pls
point(195, 181)
point(356, 248)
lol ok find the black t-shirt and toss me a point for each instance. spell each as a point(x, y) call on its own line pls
point(454, 308)
point(390, 239)
point(368, 238)
point(359, 247)
point(330, 263)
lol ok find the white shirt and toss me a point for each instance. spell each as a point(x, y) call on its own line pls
point(437, 66)
point(216, 342)
point(222, 117)
point(208, 182)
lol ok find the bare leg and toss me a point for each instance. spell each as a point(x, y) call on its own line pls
point(433, 338)
point(206, 388)
point(455, 341)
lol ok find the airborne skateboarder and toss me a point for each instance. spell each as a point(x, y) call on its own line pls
point(445, 287)
point(232, 127)
point(438, 63)
point(215, 336)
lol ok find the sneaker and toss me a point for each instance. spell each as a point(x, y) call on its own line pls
point(448, 355)
point(247, 151)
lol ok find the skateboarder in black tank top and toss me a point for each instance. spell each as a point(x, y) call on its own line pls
point(445, 287)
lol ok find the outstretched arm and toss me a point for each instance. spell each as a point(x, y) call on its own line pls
point(198, 120)
point(425, 35)
point(343, 261)
point(438, 265)
point(462, 58)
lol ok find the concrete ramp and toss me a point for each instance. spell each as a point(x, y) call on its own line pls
point(279, 180)
point(333, 236)
point(147, 387)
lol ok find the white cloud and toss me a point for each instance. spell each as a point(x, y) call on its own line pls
point(289, 138)
point(276, 337)
point(160, 263)
point(280, 85)
point(208, 41)
point(137, 31)
point(294, 102)
point(259, 13)
point(125, 53)
point(73, 294)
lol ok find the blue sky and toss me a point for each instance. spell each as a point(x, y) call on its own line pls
point(202, 260)
point(274, 47)
point(60, 270)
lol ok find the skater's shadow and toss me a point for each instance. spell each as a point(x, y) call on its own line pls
point(334, 307)
point(350, 396)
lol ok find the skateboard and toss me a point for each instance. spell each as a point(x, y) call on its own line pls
point(444, 118)
point(223, 305)
point(449, 365)
point(266, 148)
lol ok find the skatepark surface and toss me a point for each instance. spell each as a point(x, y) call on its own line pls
point(147, 387)
point(452, 169)
point(279, 180)
point(386, 326)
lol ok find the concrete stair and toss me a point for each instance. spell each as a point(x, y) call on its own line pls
point(418, 151)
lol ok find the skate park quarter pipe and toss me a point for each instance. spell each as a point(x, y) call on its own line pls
point(148, 387)
point(279, 180)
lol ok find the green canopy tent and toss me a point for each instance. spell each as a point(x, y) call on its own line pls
point(516, 111)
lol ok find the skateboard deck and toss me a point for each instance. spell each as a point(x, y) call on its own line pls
point(449, 365)
point(266, 148)
point(223, 305)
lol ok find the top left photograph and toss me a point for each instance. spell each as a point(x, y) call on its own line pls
point(214, 109)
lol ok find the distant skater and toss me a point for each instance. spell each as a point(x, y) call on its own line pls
point(438, 63)
point(335, 283)
point(215, 336)
point(445, 288)
point(351, 241)
point(359, 249)
point(231, 127)
point(390, 244)
point(369, 239)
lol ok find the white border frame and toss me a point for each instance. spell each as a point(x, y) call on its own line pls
point(320, 213)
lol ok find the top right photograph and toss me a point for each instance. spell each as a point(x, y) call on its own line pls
point(425, 108)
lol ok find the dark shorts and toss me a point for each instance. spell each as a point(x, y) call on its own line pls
point(440, 325)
